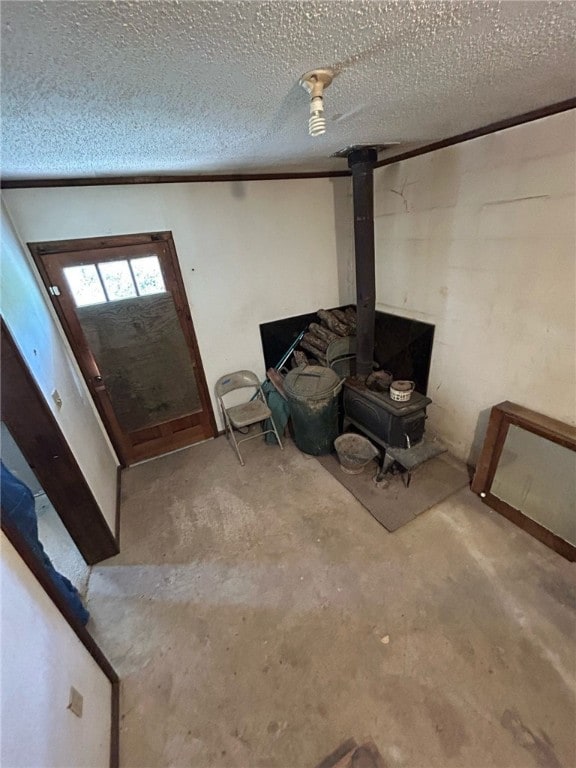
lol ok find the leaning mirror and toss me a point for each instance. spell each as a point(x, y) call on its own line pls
point(527, 472)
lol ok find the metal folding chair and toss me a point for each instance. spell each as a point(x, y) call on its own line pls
point(244, 415)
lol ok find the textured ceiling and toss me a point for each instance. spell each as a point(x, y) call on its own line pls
point(100, 88)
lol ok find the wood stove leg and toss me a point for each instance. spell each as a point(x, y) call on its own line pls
point(384, 464)
point(380, 474)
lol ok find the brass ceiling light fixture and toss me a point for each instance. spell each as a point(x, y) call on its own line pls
point(314, 82)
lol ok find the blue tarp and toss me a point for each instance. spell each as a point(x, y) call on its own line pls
point(19, 510)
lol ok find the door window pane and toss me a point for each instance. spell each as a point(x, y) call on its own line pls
point(117, 280)
point(85, 285)
point(148, 275)
point(141, 353)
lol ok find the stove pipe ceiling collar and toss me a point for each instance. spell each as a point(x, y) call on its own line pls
point(314, 82)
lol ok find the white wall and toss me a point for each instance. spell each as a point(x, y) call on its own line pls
point(479, 239)
point(250, 252)
point(30, 319)
point(41, 658)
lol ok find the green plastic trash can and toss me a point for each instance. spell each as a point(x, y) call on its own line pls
point(313, 398)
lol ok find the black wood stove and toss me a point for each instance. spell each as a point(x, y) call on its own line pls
point(389, 423)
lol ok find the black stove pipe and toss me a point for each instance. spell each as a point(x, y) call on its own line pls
point(361, 162)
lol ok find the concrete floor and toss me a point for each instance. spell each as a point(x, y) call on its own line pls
point(259, 616)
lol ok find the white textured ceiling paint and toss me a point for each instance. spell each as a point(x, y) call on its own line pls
point(98, 88)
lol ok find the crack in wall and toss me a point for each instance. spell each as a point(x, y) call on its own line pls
point(401, 194)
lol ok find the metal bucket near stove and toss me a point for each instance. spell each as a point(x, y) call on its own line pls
point(354, 453)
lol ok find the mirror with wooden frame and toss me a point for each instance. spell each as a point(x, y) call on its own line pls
point(527, 472)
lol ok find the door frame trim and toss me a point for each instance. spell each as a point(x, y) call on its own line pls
point(40, 249)
point(24, 408)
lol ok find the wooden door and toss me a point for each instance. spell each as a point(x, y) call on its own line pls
point(122, 304)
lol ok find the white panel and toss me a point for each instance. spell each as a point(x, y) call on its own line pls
point(479, 239)
point(249, 252)
point(41, 659)
point(41, 343)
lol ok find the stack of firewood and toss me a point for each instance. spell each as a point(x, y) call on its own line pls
point(334, 324)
